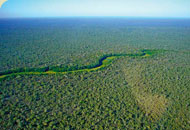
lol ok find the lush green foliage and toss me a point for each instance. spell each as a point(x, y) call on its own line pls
point(150, 92)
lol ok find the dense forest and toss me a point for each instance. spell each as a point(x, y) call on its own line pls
point(151, 92)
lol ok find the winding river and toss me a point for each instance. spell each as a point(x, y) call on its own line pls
point(103, 62)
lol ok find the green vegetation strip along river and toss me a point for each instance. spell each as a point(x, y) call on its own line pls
point(103, 62)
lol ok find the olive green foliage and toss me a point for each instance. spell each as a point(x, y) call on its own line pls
point(130, 92)
point(161, 87)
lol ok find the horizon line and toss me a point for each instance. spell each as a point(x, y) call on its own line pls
point(153, 17)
